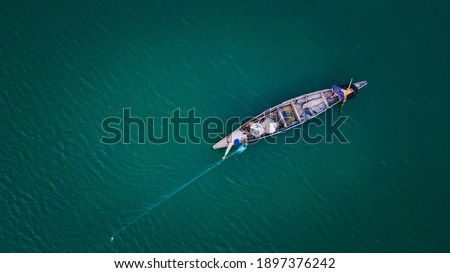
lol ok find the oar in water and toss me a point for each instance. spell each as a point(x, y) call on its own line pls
point(345, 98)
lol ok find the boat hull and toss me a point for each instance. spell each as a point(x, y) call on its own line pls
point(285, 116)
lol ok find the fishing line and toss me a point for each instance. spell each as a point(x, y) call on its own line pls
point(167, 196)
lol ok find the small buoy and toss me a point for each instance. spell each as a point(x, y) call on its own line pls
point(112, 239)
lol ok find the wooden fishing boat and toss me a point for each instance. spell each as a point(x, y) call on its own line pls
point(288, 114)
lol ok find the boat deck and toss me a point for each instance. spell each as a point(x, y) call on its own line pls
point(284, 116)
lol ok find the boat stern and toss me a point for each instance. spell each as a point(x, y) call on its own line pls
point(361, 84)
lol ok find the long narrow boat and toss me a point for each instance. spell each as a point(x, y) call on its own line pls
point(288, 114)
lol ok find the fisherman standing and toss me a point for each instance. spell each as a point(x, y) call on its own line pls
point(342, 93)
point(236, 139)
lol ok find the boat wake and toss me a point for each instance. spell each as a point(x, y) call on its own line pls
point(164, 198)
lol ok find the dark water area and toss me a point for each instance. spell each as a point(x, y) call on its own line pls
point(66, 66)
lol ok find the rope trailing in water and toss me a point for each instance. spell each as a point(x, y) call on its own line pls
point(166, 197)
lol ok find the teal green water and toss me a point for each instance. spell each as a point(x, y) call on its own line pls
point(67, 65)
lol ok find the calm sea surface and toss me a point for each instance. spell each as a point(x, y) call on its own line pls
point(67, 65)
